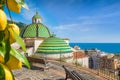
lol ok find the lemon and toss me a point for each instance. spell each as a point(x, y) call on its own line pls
point(0, 5)
point(3, 20)
point(13, 63)
point(1, 59)
point(8, 74)
point(14, 6)
point(12, 28)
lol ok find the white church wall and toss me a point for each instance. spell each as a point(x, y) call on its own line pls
point(83, 61)
point(36, 44)
point(67, 41)
point(29, 51)
point(54, 56)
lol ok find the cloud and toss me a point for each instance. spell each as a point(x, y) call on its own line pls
point(69, 30)
point(113, 6)
point(83, 26)
point(105, 15)
point(27, 15)
point(65, 27)
point(106, 19)
point(88, 27)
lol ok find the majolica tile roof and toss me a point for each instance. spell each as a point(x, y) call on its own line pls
point(36, 30)
point(53, 45)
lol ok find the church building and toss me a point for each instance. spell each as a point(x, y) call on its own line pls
point(39, 41)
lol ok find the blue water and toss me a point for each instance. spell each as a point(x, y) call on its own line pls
point(105, 47)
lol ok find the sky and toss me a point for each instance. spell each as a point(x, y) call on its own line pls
point(84, 21)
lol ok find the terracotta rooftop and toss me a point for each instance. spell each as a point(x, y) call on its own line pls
point(79, 54)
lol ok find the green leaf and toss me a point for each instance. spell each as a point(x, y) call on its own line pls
point(2, 4)
point(2, 72)
point(2, 7)
point(20, 41)
point(5, 47)
point(2, 48)
point(1, 35)
point(0, 1)
point(22, 3)
point(7, 50)
point(19, 56)
point(25, 6)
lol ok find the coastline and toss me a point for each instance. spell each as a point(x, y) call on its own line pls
point(105, 47)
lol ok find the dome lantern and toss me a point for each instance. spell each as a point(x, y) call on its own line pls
point(36, 18)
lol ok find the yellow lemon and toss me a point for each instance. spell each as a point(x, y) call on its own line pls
point(0, 5)
point(14, 6)
point(1, 59)
point(3, 20)
point(8, 74)
point(14, 63)
point(12, 28)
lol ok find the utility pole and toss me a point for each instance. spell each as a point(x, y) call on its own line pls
point(60, 56)
point(76, 59)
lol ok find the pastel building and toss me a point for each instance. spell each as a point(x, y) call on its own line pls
point(40, 41)
point(94, 58)
point(81, 58)
point(108, 62)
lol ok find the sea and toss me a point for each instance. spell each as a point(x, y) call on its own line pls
point(105, 47)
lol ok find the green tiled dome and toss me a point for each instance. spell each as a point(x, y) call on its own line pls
point(54, 45)
point(36, 30)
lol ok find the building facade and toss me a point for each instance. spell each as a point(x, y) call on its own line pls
point(108, 63)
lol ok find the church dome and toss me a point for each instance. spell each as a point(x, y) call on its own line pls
point(36, 30)
point(53, 45)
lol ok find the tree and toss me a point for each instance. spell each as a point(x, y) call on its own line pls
point(10, 58)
